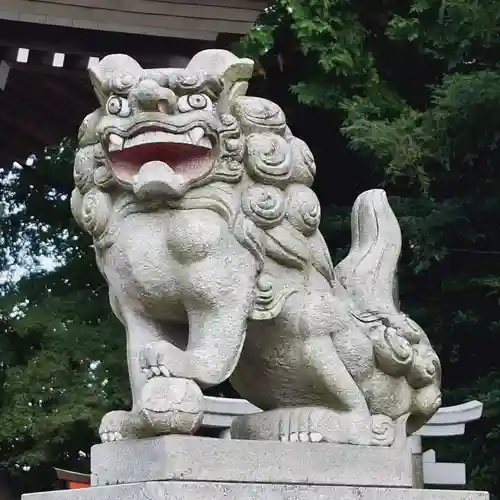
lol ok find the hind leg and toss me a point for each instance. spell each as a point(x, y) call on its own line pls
point(331, 378)
point(322, 318)
point(311, 424)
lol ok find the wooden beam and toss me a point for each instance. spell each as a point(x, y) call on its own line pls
point(77, 101)
point(43, 66)
point(76, 62)
point(41, 99)
point(8, 53)
point(40, 58)
point(42, 104)
point(226, 40)
point(92, 43)
point(259, 5)
point(13, 113)
point(43, 12)
point(199, 10)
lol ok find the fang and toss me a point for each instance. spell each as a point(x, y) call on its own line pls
point(115, 142)
point(196, 135)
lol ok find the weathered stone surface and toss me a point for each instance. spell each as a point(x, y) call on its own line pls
point(233, 491)
point(191, 458)
point(205, 227)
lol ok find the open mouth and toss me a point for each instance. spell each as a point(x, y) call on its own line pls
point(160, 157)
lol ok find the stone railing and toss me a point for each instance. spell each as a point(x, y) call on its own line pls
point(449, 421)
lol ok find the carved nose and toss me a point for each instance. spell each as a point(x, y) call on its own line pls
point(150, 96)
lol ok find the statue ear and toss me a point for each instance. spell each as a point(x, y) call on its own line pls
point(233, 72)
point(97, 82)
point(114, 73)
point(235, 79)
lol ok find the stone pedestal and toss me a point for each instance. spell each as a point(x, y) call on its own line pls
point(185, 468)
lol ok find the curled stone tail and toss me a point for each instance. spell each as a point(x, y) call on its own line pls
point(369, 272)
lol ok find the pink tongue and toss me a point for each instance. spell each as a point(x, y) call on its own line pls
point(183, 159)
point(156, 178)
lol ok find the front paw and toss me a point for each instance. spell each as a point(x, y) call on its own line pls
point(119, 425)
point(154, 359)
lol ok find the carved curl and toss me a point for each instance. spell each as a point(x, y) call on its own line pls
point(182, 82)
point(96, 207)
point(304, 211)
point(259, 115)
point(264, 205)
point(229, 165)
point(268, 158)
point(103, 176)
point(304, 167)
point(394, 354)
point(83, 171)
point(425, 367)
point(268, 300)
point(123, 82)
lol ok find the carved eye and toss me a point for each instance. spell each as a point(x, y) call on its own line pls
point(118, 106)
point(193, 101)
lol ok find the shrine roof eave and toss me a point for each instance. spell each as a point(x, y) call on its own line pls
point(181, 19)
point(40, 104)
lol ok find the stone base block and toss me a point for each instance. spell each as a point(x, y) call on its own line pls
point(194, 468)
point(192, 490)
point(189, 458)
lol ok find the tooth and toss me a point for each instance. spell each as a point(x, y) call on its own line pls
point(179, 138)
point(115, 142)
point(205, 142)
point(196, 135)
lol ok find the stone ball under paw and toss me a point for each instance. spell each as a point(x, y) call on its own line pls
point(172, 405)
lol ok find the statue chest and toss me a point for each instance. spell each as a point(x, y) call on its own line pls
point(152, 253)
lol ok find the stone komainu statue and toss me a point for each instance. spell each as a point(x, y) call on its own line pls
point(205, 227)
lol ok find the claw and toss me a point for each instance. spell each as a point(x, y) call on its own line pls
point(315, 437)
point(116, 436)
point(119, 425)
point(304, 437)
point(152, 362)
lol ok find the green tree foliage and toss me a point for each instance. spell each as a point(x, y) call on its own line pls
point(62, 352)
